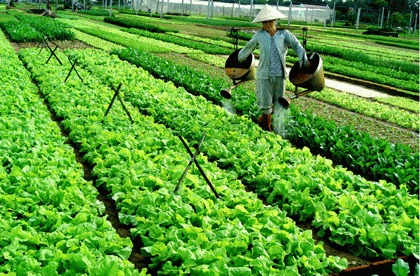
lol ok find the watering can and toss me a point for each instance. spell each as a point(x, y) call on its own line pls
point(311, 78)
point(239, 72)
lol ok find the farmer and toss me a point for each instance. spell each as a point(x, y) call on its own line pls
point(271, 72)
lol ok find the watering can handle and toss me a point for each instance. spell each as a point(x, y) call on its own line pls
point(312, 55)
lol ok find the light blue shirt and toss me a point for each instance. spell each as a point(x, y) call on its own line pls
point(283, 39)
point(276, 69)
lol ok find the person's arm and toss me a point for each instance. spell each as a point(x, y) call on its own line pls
point(248, 49)
point(299, 50)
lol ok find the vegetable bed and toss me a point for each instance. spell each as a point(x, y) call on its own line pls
point(375, 158)
point(50, 220)
point(339, 203)
point(190, 232)
point(54, 224)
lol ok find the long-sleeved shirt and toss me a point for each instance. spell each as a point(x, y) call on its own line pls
point(283, 39)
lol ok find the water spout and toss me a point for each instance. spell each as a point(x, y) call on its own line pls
point(280, 120)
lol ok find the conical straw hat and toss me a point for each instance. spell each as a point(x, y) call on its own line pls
point(268, 13)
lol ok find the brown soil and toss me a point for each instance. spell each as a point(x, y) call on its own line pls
point(332, 249)
point(62, 45)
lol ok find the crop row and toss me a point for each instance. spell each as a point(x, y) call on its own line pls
point(358, 70)
point(369, 218)
point(95, 41)
point(190, 232)
point(205, 47)
point(356, 55)
point(126, 39)
point(383, 75)
point(213, 41)
point(136, 23)
point(375, 70)
point(106, 45)
point(401, 102)
point(94, 12)
point(320, 135)
point(50, 219)
point(371, 37)
point(375, 73)
point(361, 45)
point(34, 28)
point(369, 73)
point(21, 32)
point(377, 110)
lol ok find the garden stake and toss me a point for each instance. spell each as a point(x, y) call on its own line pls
point(199, 168)
point(53, 54)
point(197, 151)
point(234, 34)
point(116, 95)
point(73, 67)
point(44, 42)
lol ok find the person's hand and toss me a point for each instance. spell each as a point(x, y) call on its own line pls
point(308, 64)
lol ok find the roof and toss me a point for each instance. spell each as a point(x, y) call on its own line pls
point(319, 7)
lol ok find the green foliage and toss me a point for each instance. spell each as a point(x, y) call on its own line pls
point(401, 268)
point(7, 17)
point(123, 40)
point(96, 41)
point(350, 17)
point(402, 44)
point(140, 164)
point(398, 20)
point(145, 13)
point(304, 185)
point(354, 55)
point(375, 158)
point(377, 110)
point(320, 135)
point(21, 32)
point(214, 21)
point(205, 47)
point(401, 102)
point(95, 12)
point(50, 220)
point(132, 23)
point(127, 39)
point(408, 82)
point(49, 27)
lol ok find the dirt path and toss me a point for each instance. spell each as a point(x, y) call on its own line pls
point(355, 89)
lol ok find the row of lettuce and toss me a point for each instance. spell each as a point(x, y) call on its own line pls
point(50, 219)
point(343, 33)
point(374, 158)
point(29, 28)
point(363, 44)
point(191, 232)
point(369, 218)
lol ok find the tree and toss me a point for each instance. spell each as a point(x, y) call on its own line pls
point(379, 4)
point(399, 5)
point(398, 20)
point(351, 17)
